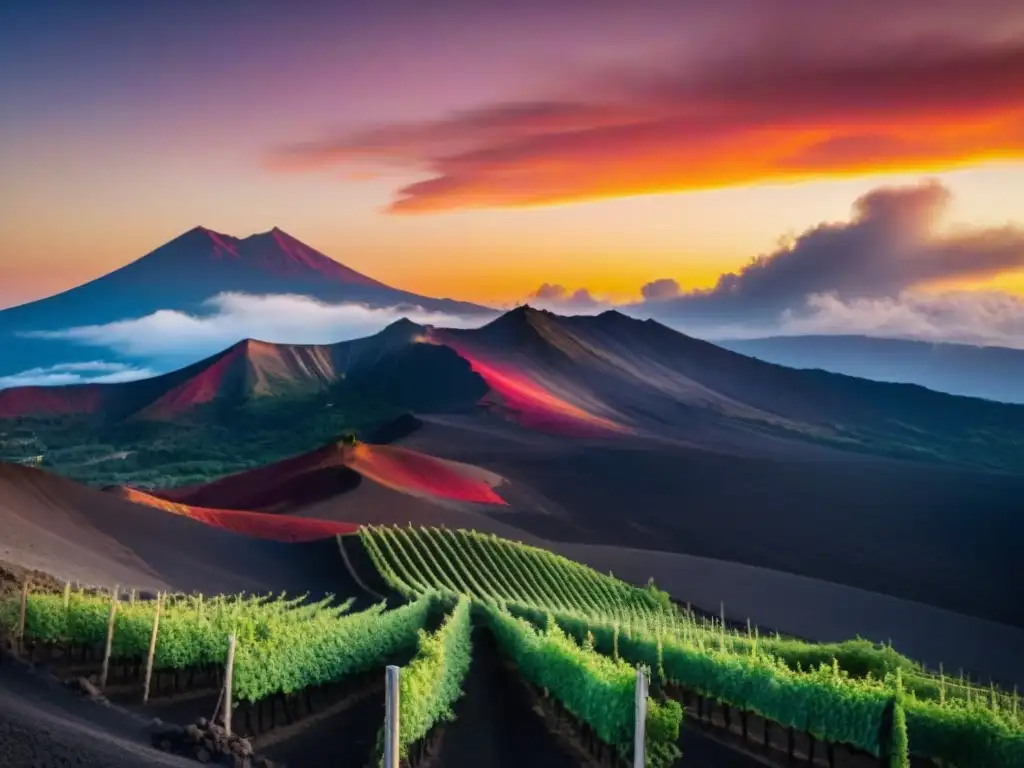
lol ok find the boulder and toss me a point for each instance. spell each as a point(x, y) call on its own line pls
point(86, 686)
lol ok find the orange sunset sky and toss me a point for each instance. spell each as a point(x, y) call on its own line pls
point(478, 150)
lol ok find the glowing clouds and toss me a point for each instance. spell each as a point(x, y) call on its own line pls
point(760, 115)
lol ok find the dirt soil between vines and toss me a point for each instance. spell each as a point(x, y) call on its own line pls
point(43, 725)
point(494, 723)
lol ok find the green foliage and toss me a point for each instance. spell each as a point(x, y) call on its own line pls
point(283, 645)
point(964, 734)
point(296, 655)
point(487, 568)
point(659, 596)
point(825, 700)
point(598, 690)
point(899, 743)
point(430, 684)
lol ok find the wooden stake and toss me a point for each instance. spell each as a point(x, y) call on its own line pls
point(391, 704)
point(229, 671)
point(67, 595)
point(21, 619)
point(639, 726)
point(110, 639)
point(152, 648)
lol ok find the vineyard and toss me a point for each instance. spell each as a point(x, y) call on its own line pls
point(866, 697)
point(565, 640)
point(490, 569)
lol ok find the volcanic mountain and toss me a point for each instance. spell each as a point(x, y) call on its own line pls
point(613, 375)
point(183, 274)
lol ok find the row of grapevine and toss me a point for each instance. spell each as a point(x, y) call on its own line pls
point(193, 631)
point(822, 700)
point(293, 656)
point(860, 658)
point(597, 690)
point(283, 645)
point(431, 683)
point(485, 567)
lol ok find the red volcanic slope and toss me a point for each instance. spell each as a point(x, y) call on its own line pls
point(23, 401)
point(200, 389)
point(421, 475)
point(260, 525)
point(528, 401)
point(272, 486)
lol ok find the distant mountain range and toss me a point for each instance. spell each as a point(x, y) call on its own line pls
point(994, 373)
point(184, 273)
point(605, 376)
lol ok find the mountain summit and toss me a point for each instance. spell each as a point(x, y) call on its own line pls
point(274, 252)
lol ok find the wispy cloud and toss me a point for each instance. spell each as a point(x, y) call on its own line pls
point(286, 319)
point(93, 372)
point(765, 110)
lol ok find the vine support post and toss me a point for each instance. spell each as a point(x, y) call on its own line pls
point(639, 726)
point(229, 671)
point(110, 637)
point(391, 703)
point(152, 647)
point(22, 616)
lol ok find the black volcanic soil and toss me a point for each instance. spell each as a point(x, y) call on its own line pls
point(394, 430)
point(43, 725)
point(346, 738)
point(79, 534)
point(369, 579)
point(938, 535)
point(495, 725)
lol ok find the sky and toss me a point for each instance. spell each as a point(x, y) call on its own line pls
point(561, 150)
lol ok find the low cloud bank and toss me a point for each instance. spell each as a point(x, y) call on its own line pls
point(93, 372)
point(970, 317)
point(283, 319)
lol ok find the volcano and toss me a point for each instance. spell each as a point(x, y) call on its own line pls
point(183, 275)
